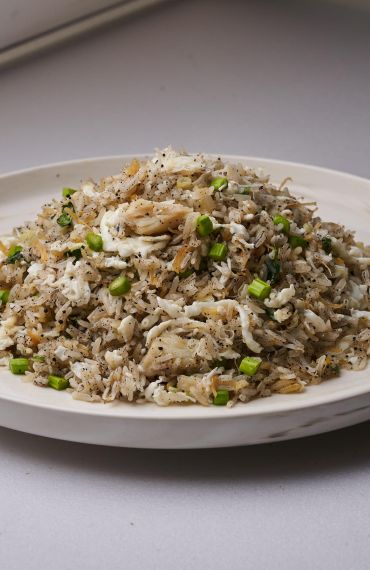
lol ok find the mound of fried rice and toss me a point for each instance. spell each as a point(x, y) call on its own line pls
point(180, 333)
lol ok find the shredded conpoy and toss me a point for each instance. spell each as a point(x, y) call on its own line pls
point(182, 280)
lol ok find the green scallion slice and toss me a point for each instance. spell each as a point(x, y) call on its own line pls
point(220, 183)
point(249, 365)
point(218, 252)
point(58, 382)
point(204, 225)
point(259, 289)
point(120, 286)
point(18, 365)
point(94, 241)
point(221, 398)
point(64, 220)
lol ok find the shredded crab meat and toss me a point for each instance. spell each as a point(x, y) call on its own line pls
point(145, 217)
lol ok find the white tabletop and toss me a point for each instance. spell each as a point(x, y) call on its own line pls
point(286, 80)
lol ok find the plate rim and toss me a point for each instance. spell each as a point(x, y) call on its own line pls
point(197, 412)
point(143, 155)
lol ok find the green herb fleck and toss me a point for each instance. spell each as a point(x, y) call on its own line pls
point(273, 270)
point(326, 244)
point(298, 241)
point(76, 253)
point(14, 254)
point(186, 273)
point(4, 296)
point(270, 313)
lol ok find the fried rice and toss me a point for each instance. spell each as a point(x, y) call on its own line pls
point(183, 279)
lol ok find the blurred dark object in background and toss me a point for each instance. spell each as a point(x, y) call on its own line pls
point(30, 26)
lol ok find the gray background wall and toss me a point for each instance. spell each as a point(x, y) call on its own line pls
point(280, 79)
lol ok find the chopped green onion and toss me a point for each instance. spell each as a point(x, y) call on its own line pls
point(219, 183)
point(18, 365)
point(249, 365)
point(204, 225)
point(67, 192)
point(38, 358)
point(64, 220)
point(4, 296)
point(259, 289)
point(245, 190)
point(14, 254)
point(297, 241)
point(14, 249)
point(120, 286)
point(58, 382)
point(94, 241)
point(76, 253)
point(218, 252)
point(273, 270)
point(186, 273)
point(326, 244)
point(281, 221)
point(221, 398)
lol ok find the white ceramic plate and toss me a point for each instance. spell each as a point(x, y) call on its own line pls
point(334, 404)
